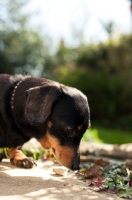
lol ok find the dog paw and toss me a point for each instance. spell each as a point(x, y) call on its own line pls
point(24, 163)
point(18, 159)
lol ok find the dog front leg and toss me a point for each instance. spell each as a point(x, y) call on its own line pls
point(18, 159)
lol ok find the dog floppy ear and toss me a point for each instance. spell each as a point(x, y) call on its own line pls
point(39, 101)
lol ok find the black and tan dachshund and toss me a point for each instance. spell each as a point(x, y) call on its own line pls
point(55, 114)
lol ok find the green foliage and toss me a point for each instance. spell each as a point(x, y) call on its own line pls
point(107, 135)
point(109, 177)
point(22, 49)
point(114, 136)
point(103, 73)
point(113, 56)
point(13, 17)
point(34, 153)
point(91, 135)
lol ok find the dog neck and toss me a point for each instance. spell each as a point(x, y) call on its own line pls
point(13, 94)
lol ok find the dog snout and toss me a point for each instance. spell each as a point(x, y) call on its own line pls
point(76, 163)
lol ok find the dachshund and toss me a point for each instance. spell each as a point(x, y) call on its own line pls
point(55, 114)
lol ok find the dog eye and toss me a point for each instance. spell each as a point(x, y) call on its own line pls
point(70, 129)
point(71, 132)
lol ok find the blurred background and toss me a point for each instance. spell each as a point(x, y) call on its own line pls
point(86, 44)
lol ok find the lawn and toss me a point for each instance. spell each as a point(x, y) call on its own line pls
point(109, 136)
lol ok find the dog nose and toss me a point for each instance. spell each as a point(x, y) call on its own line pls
point(76, 163)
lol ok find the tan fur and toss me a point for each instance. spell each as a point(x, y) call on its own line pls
point(19, 159)
point(63, 154)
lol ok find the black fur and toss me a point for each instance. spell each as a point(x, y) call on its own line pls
point(36, 102)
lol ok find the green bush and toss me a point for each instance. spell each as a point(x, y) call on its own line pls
point(109, 96)
point(107, 135)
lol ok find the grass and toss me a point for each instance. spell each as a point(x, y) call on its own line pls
point(109, 136)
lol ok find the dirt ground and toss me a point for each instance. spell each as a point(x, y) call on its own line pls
point(42, 183)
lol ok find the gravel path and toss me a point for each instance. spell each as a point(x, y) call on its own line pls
point(42, 183)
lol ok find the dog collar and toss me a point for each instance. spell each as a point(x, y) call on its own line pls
point(13, 94)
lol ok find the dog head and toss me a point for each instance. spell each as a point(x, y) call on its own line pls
point(66, 113)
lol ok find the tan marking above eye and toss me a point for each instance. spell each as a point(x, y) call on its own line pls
point(79, 127)
point(50, 124)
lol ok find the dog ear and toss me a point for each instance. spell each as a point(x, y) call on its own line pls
point(39, 102)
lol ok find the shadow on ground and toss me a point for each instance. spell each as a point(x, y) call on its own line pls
point(41, 183)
